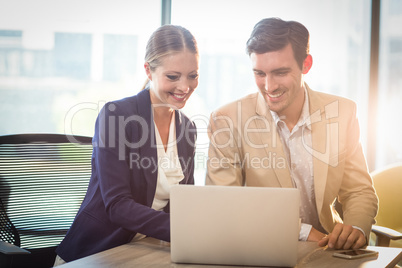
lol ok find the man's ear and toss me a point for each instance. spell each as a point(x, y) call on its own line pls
point(307, 63)
point(148, 71)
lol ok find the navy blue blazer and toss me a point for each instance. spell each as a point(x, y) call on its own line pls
point(123, 181)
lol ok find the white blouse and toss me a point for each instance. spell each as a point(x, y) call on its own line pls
point(169, 168)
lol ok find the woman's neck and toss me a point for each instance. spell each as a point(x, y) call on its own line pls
point(162, 119)
point(162, 114)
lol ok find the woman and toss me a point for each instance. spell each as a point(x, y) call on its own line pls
point(142, 146)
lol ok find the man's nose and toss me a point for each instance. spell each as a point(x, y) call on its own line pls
point(270, 84)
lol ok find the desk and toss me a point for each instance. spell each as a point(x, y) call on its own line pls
point(150, 252)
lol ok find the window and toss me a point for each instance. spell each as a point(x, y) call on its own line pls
point(389, 142)
point(60, 61)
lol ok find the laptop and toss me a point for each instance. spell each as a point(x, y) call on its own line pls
point(233, 225)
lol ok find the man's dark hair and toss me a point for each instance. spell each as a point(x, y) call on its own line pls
point(273, 34)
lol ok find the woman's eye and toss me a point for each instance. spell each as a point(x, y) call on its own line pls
point(172, 77)
point(194, 76)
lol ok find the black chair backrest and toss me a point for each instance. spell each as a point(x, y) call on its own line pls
point(8, 233)
point(43, 179)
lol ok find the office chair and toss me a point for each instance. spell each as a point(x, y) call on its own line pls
point(9, 239)
point(8, 232)
point(388, 185)
point(43, 179)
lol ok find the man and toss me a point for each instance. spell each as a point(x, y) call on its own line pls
point(288, 135)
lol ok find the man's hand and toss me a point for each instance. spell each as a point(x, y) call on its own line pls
point(315, 235)
point(344, 237)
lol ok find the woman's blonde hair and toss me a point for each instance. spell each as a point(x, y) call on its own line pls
point(166, 40)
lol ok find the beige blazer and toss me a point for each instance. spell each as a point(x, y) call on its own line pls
point(245, 149)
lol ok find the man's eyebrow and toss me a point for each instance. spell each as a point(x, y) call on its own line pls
point(283, 69)
point(256, 70)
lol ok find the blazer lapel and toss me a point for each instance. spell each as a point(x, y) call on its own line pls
point(181, 141)
point(273, 141)
point(148, 150)
point(320, 146)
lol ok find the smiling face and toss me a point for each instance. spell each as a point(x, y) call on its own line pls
point(280, 80)
point(174, 80)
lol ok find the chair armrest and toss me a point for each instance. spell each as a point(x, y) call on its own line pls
point(10, 249)
point(384, 235)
